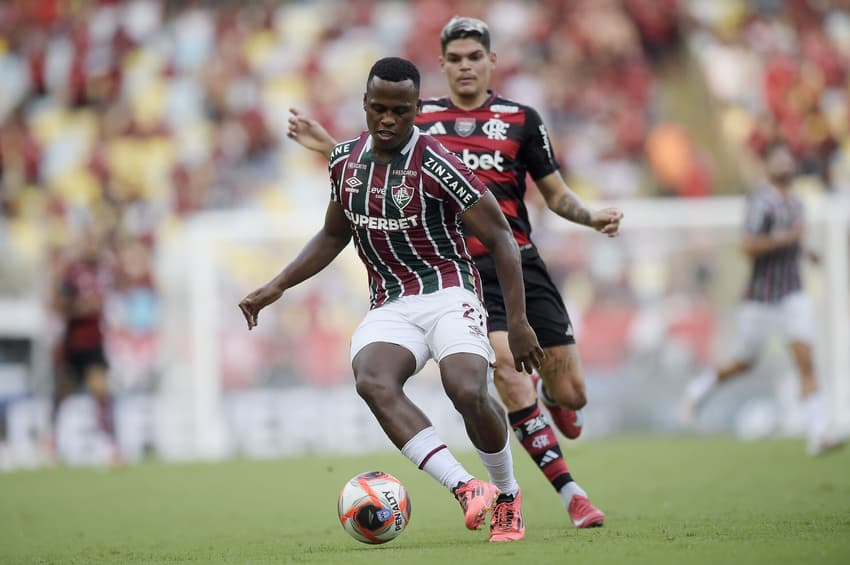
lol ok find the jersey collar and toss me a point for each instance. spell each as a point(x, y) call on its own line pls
point(491, 96)
point(411, 143)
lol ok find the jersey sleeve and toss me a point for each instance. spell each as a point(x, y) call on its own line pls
point(799, 216)
point(336, 168)
point(453, 180)
point(536, 148)
point(335, 197)
point(757, 218)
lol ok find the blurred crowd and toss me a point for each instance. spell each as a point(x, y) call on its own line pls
point(119, 119)
point(778, 70)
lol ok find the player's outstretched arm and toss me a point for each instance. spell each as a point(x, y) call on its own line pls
point(486, 221)
point(316, 255)
point(566, 203)
point(309, 133)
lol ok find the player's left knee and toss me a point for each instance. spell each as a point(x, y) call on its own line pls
point(467, 398)
point(375, 388)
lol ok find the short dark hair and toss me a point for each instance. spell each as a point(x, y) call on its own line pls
point(462, 27)
point(394, 69)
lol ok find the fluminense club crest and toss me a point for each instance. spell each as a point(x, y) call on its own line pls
point(401, 194)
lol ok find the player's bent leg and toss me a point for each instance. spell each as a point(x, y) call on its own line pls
point(700, 387)
point(380, 371)
point(798, 325)
point(464, 377)
point(561, 388)
point(802, 353)
point(514, 387)
point(734, 369)
point(563, 376)
point(537, 436)
point(799, 328)
point(569, 422)
point(818, 442)
point(518, 391)
point(97, 383)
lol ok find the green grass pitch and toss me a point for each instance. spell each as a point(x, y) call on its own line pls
point(668, 500)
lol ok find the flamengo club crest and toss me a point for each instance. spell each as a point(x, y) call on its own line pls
point(464, 126)
point(401, 194)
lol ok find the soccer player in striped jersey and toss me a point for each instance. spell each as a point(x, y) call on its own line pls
point(400, 196)
point(501, 140)
point(774, 296)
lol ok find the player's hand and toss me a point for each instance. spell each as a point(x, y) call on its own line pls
point(790, 236)
point(813, 256)
point(797, 233)
point(256, 301)
point(528, 355)
point(606, 221)
point(309, 133)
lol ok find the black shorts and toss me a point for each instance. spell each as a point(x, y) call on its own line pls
point(543, 304)
point(78, 361)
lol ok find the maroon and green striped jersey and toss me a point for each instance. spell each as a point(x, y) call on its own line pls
point(500, 142)
point(405, 215)
point(776, 274)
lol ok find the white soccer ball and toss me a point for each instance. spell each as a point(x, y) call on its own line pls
point(374, 507)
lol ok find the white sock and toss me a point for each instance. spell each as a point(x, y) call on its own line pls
point(430, 454)
point(568, 491)
point(500, 468)
point(816, 413)
point(699, 388)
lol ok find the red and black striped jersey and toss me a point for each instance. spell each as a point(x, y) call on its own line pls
point(776, 274)
point(500, 142)
point(405, 215)
point(84, 282)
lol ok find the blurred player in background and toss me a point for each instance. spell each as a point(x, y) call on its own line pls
point(401, 195)
point(774, 296)
point(82, 362)
point(502, 140)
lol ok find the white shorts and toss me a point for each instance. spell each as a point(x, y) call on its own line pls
point(451, 320)
point(793, 315)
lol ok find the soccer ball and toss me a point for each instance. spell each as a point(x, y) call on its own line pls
point(374, 507)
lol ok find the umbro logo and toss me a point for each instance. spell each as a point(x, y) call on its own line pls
point(475, 330)
point(353, 184)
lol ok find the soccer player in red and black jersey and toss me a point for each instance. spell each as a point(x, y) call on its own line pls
point(79, 301)
point(400, 195)
point(501, 140)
